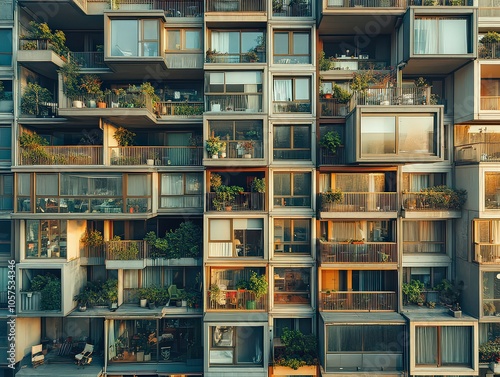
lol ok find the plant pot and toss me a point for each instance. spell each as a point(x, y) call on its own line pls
point(77, 104)
point(150, 162)
point(228, 208)
point(143, 302)
point(214, 156)
point(328, 95)
point(113, 306)
point(247, 155)
point(456, 314)
point(223, 155)
point(184, 303)
point(495, 367)
point(178, 303)
point(152, 305)
point(101, 105)
point(251, 305)
point(131, 210)
point(82, 308)
point(92, 104)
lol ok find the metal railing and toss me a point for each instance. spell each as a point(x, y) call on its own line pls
point(438, 247)
point(442, 3)
point(160, 156)
point(488, 50)
point(35, 44)
point(120, 250)
point(95, 255)
point(62, 155)
point(358, 301)
point(31, 301)
point(236, 58)
point(427, 201)
point(92, 59)
point(236, 6)
point(297, 9)
point(486, 253)
point(236, 300)
point(291, 154)
point(373, 252)
point(326, 157)
point(362, 202)
point(180, 8)
point(394, 96)
point(234, 149)
point(236, 102)
point(94, 204)
point(291, 107)
point(184, 61)
point(330, 107)
point(186, 109)
point(114, 101)
point(247, 201)
point(367, 3)
point(478, 152)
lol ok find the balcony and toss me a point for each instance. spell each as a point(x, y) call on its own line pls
point(125, 255)
point(334, 4)
point(486, 253)
point(477, 152)
point(247, 201)
point(225, 58)
point(239, 6)
point(372, 204)
point(86, 60)
point(157, 156)
point(251, 103)
point(181, 109)
point(344, 252)
point(488, 50)
point(284, 107)
point(92, 255)
point(358, 301)
point(227, 300)
point(447, 200)
point(441, 3)
point(62, 155)
point(326, 157)
point(333, 108)
point(295, 8)
point(184, 61)
point(394, 96)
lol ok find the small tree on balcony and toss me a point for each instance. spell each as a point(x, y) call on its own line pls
point(298, 350)
point(49, 286)
point(331, 140)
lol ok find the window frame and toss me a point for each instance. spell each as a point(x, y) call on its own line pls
point(280, 200)
point(236, 249)
point(288, 58)
point(140, 39)
point(182, 36)
point(185, 192)
point(284, 247)
point(292, 105)
point(3, 195)
point(240, 55)
point(442, 231)
point(292, 148)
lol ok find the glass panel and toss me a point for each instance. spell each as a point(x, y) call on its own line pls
point(456, 343)
point(249, 40)
point(301, 43)
point(24, 184)
point(150, 29)
point(345, 339)
point(124, 37)
point(6, 47)
point(282, 184)
point(193, 40)
point(249, 345)
point(302, 184)
point(282, 137)
point(193, 183)
point(5, 138)
point(378, 135)
point(301, 137)
point(416, 135)
point(220, 230)
point(47, 184)
point(139, 185)
point(172, 184)
point(426, 347)
point(173, 40)
point(302, 91)
point(281, 43)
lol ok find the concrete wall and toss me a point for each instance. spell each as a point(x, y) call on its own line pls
point(464, 92)
point(28, 334)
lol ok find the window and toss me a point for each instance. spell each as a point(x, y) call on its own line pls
point(132, 38)
point(181, 190)
point(443, 345)
point(430, 276)
point(292, 95)
point(237, 46)
point(491, 192)
point(6, 47)
point(292, 142)
point(414, 182)
point(304, 325)
point(236, 132)
point(5, 144)
point(236, 345)
point(424, 237)
point(405, 135)
point(45, 239)
point(6, 192)
point(292, 189)
point(5, 238)
point(292, 47)
point(24, 192)
point(233, 238)
point(372, 231)
point(292, 286)
point(6, 13)
point(436, 35)
point(183, 39)
point(292, 236)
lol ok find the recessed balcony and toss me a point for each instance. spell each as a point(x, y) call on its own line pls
point(358, 301)
point(156, 156)
point(346, 252)
point(487, 253)
point(371, 204)
point(129, 254)
point(238, 6)
point(447, 201)
point(227, 300)
point(244, 201)
point(227, 104)
point(63, 155)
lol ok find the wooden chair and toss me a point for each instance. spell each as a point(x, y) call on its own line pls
point(37, 357)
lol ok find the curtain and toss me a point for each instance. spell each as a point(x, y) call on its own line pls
point(370, 281)
point(456, 345)
point(453, 36)
point(220, 41)
point(139, 185)
point(324, 183)
point(425, 37)
point(343, 231)
point(426, 345)
point(345, 338)
point(47, 184)
point(282, 90)
point(418, 182)
point(111, 339)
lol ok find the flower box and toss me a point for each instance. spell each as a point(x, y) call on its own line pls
point(307, 370)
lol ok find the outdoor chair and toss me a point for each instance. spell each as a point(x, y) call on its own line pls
point(37, 357)
point(84, 357)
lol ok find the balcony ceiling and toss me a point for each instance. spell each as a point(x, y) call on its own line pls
point(63, 14)
point(434, 66)
point(358, 24)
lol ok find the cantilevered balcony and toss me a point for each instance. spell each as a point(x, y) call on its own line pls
point(378, 204)
point(39, 56)
point(448, 203)
point(331, 107)
point(157, 156)
point(227, 300)
point(62, 155)
point(345, 252)
point(127, 254)
point(487, 253)
point(358, 301)
point(92, 59)
point(235, 6)
point(478, 152)
point(292, 9)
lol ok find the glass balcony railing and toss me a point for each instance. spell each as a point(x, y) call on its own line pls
point(436, 247)
point(62, 155)
point(236, 6)
point(362, 202)
point(291, 107)
point(181, 108)
point(258, 57)
point(235, 300)
point(295, 8)
point(441, 3)
point(358, 301)
point(184, 61)
point(372, 252)
point(158, 156)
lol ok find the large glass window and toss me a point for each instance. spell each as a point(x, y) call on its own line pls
point(236, 238)
point(132, 38)
point(6, 192)
point(237, 46)
point(436, 35)
point(5, 143)
point(430, 276)
point(292, 189)
point(443, 345)
point(183, 39)
point(181, 190)
point(292, 142)
point(292, 95)
point(6, 47)
point(23, 192)
point(405, 135)
point(5, 238)
point(292, 47)
point(292, 286)
point(492, 190)
point(292, 236)
point(46, 239)
point(235, 133)
point(414, 182)
point(236, 345)
point(424, 237)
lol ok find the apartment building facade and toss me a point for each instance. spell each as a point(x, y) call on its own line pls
point(177, 151)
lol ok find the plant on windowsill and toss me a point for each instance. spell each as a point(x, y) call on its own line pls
point(258, 285)
point(214, 146)
point(247, 146)
point(297, 351)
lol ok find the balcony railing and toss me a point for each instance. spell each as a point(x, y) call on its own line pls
point(94, 204)
point(363, 202)
point(62, 155)
point(297, 9)
point(184, 61)
point(436, 247)
point(236, 300)
point(236, 6)
point(160, 156)
point(291, 107)
point(428, 201)
point(234, 149)
point(490, 103)
point(180, 8)
point(125, 250)
point(31, 302)
point(185, 109)
point(95, 254)
point(394, 96)
point(489, 11)
point(326, 157)
point(35, 44)
point(373, 252)
point(114, 101)
point(248, 201)
point(237, 102)
point(332, 108)
point(367, 3)
point(487, 253)
point(88, 59)
point(488, 50)
point(442, 3)
point(478, 152)
point(358, 301)
point(236, 58)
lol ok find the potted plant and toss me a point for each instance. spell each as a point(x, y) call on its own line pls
point(32, 148)
point(149, 90)
point(92, 238)
point(124, 137)
point(215, 294)
point(490, 47)
point(242, 285)
point(158, 245)
point(225, 196)
point(247, 146)
point(258, 285)
point(91, 85)
point(413, 291)
point(277, 6)
point(296, 351)
point(252, 56)
point(490, 352)
point(258, 185)
point(214, 146)
point(331, 141)
point(343, 97)
point(83, 299)
point(110, 291)
point(6, 102)
point(331, 197)
point(142, 294)
point(325, 64)
point(34, 95)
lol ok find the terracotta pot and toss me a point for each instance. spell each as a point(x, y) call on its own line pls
point(101, 105)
